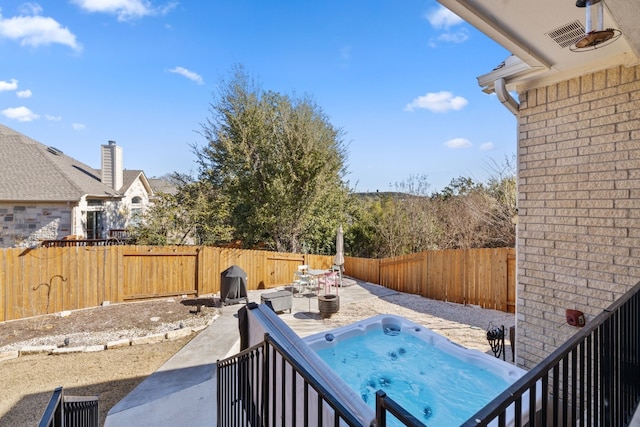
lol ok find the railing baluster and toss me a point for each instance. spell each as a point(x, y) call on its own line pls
point(532, 405)
point(582, 379)
point(574, 386)
point(265, 384)
point(597, 380)
point(556, 394)
point(319, 403)
point(545, 397)
point(617, 401)
point(590, 395)
point(565, 391)
point(283, 389)
point(518, 412)
point(306, 403)
point(293, 397)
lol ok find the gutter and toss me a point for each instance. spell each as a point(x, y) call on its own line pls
point(505, 97)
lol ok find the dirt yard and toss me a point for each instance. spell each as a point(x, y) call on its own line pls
point(27, 381)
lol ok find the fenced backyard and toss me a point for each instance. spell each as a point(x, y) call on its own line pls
point(49, 280)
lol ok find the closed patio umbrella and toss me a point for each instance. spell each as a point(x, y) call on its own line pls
point(339, 258)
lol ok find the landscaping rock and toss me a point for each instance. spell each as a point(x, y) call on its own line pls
point(125, 342)
point(148, 339)
point(36, 349)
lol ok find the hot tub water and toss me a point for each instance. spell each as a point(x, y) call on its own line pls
point(437, 381)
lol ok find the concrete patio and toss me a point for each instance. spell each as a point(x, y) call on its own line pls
point(183, 390)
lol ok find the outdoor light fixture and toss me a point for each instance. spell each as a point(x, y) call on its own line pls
point(595, 33)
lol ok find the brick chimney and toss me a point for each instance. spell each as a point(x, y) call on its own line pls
point(112, 165)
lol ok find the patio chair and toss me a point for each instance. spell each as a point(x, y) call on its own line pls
point(301, 280)
point(329, 279)
point(336, 270)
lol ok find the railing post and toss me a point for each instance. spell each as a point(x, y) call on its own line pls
point(381, 413)
point(265, 381)
point(54, 412)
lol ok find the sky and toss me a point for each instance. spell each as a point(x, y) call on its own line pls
point(397, 77)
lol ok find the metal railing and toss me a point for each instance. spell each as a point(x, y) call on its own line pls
point(591, 380)
point(81, 242)
point(386, 404)
point(264, 386)
point(251, 393)
point(70, 411)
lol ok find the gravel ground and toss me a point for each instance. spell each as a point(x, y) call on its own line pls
point(100, 325)
point(464, 324)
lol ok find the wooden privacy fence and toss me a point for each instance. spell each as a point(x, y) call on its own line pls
point(483, 277)
point(49, 280)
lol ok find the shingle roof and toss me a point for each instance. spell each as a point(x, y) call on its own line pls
point(31, 171)
point(161, 185)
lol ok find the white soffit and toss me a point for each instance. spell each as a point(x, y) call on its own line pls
point(528, 28)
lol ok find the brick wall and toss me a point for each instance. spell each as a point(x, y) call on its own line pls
point(579, 203)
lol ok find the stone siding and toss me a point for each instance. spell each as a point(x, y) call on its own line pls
point(579, 203)
point(26, 225)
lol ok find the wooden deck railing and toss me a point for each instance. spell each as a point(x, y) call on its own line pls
point(48, 280)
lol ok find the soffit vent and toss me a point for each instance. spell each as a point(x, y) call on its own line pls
point(567, 34)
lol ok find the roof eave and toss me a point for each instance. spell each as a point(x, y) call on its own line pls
point(490, 26)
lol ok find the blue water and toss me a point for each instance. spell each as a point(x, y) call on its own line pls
point(437, 388)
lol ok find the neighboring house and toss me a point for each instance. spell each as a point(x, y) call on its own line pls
point(45, 194)
point(162, 185)
point(578, 115)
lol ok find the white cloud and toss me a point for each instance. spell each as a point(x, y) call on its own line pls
point(35, 30)
point(437, 102)
point(30, 9)
point(443, 18)
point(78, 126)
point(454, 37)
point(125, 9)
point(21, 114)
point(52, 118)
point(487, 146)
point(10, 85)
point(188, 74)
point(24, 93)
point(456, 143)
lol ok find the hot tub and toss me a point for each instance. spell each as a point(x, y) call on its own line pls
point(436, 380)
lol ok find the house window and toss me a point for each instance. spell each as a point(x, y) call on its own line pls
point(136, 200)
point(94, 225)
point(94, 202)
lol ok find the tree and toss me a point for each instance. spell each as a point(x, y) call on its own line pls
point(194, 214)
point(395, 223)
point(479, 215)
point(500, 205)
point(277, 162)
